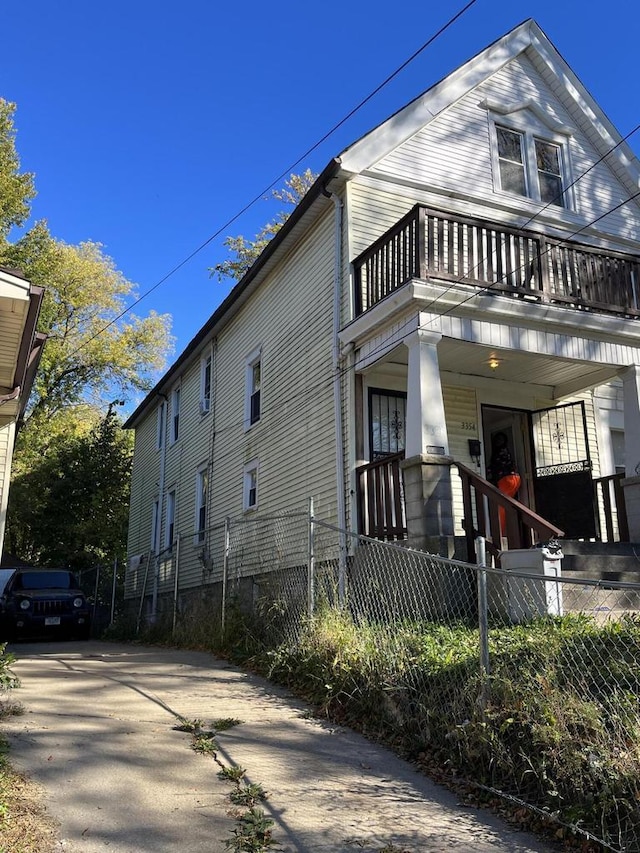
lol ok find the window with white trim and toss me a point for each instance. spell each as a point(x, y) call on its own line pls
point(175, 414)
point(530, 166)
point(170, 526)
point(202, 491)
point(250, 496)
point(161, 417)
point(253, 385)
point(206, 365)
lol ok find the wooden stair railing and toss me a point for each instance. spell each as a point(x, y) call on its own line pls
point(381, 513)
point(481, 499)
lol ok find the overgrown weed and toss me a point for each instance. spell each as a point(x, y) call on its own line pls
point(560, 728)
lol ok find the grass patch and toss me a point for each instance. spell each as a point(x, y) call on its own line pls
point(25, 827)
point(559, 727)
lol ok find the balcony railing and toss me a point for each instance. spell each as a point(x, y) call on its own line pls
point(525, 264)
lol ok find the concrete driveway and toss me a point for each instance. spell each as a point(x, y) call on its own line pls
point(98, 736)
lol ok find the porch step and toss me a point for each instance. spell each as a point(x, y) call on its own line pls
point(606, 561)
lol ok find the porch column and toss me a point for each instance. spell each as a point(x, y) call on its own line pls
point(631, 484)
point(426, 427)
point(426, 467)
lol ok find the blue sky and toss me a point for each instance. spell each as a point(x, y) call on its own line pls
point(148, 125)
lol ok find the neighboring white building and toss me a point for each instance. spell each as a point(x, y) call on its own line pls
point(470, 266)
point(20, 349)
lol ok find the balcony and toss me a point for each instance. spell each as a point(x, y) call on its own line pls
point(519, 263)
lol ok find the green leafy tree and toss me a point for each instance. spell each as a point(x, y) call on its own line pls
point(70, 504)
point(90, 350)
point(244, 252)
point(69, 498)
point(16, 189)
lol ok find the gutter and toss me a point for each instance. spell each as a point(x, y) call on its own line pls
point(12, 395)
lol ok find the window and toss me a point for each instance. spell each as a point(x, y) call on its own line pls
point(160, 422)
point(206, 364)
point(253, 403)
point(529, 166)
point(175, 414)
point(387, 422)
point(202, 490)
point(250, 498)
point(171, 518)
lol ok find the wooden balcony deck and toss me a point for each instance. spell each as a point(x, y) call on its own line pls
point(525, 264)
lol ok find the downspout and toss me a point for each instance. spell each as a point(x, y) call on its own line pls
point(158, 530)
point(337, 401)
point(12, 395)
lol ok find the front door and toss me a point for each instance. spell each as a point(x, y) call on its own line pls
point(562, 480)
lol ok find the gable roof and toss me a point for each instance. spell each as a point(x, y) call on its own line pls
point(527, 38)
point(369, 149)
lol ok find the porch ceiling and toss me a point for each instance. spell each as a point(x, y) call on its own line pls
point(564, 376)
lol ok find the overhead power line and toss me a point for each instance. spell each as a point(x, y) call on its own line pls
point(281, 176)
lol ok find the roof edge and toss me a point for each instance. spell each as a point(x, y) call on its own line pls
point(315, 191)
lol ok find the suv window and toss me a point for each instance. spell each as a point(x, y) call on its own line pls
point(45, 580)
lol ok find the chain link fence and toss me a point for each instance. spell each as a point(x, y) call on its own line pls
point(104, 587)
point(520, 680)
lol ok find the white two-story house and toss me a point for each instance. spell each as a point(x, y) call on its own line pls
point(471, 266)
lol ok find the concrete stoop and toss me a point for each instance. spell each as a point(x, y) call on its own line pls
point(606, 561)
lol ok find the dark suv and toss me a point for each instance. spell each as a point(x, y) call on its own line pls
point(38, 602)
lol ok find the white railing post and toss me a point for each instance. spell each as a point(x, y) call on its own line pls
point(225, 575)
point(483, 617)
point(311, 564)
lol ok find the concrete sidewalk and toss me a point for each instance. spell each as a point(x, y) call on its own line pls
point(98, 736)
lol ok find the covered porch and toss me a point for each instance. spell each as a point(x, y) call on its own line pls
point(456, 361)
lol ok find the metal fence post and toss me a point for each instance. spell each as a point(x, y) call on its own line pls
point(95, 595)
point(144, 589)
point(225, 575)
point(483, 618)
point(176, 580)
point(311, 565)
point(113, 591)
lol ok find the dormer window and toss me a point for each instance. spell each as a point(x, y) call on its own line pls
point(529, 166)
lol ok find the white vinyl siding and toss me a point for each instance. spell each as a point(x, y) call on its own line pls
point(296, 441)
point(461, 413)
point(451, 154)
point(7, 432)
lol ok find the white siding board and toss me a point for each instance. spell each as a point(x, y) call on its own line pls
point(453, 152)
point(461, 410)
point(290, 318)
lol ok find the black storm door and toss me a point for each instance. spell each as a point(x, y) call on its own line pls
point(563, 485)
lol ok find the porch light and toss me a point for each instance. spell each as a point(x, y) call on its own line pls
point(494, 362)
